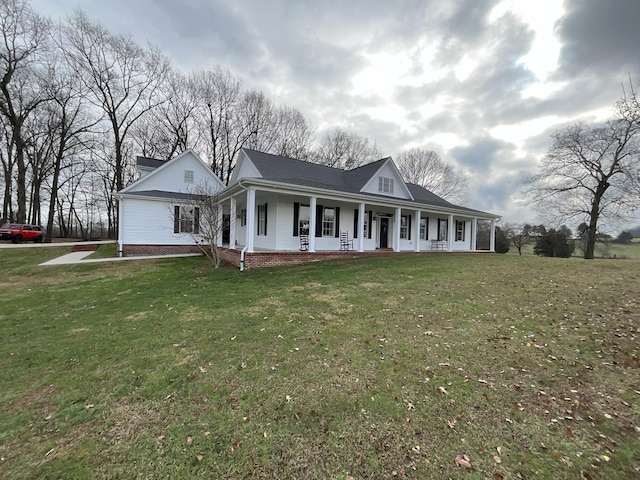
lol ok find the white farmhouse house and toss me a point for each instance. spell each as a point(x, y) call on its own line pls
point(156, 215)
point(282, 210)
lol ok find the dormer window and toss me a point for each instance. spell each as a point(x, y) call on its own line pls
point(385, 185)
point(188, 176)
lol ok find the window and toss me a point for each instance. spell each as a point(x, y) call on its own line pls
point(262, 219)
point(243, 217)
point(442, 229)
point(460, 225)
point(328, 222)
point(424, 224)
point(186, 219)
point(304, 219)
point(385, 185)
point(405, 227)
point(188, 176)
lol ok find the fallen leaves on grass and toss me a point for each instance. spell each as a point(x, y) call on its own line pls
point(443, 390)
point(463, 460)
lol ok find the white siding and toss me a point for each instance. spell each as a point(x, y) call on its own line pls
point(147, 222)
point(244, 168)
point(399, 189)
point(170, 177)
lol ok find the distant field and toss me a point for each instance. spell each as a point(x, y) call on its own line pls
point(368, 368)
point(613, 250)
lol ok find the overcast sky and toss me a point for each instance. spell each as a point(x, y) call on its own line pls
point(484, 83)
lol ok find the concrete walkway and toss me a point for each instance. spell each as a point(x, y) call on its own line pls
point(79, 257)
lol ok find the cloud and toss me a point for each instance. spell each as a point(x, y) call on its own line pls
point(599, 37)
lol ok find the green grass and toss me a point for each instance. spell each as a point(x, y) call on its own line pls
point(366, 368)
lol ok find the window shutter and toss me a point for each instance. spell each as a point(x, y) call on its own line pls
point(426, 228)
point(176, 219)
point(370, 222)
point(355, 223)
point(196, 220)
point(409, 227)
point(319, 210)
point(265, 219)
point(337, 224)
point(296, 214)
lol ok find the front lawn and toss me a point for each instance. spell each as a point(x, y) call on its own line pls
point(388, 367)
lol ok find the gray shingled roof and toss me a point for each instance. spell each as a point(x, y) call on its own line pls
point(298, 172)
point(164, 194)
point(149, 162)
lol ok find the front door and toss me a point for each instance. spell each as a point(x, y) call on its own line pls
point(384, 232)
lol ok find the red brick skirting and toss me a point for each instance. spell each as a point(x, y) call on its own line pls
point(131, 250)
point(273, 259)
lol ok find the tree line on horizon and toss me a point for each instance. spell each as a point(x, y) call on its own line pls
point(78, 103)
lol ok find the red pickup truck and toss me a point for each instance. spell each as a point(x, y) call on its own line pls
point(19, 232)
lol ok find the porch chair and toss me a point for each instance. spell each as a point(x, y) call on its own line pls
point(304, 243)
point(345, 242)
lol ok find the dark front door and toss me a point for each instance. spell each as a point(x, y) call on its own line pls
point(384, 233)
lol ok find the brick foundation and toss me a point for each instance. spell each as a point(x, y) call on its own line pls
point(273, 259)
point(131, 250)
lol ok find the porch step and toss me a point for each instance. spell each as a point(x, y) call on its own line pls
point(88, 247)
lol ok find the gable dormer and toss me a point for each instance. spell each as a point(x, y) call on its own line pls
point(387, 181)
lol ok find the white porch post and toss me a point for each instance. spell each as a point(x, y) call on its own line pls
point(416, 230)
point(120, 226)
point(232, 222)
point(474, 234)
point(450, 232)
point(312, 224)
point(251, 219)
point(396, 230)
point(361, 214)
point(220, 222)
point(492, 241)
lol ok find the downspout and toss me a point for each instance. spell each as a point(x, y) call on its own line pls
point(242, 252)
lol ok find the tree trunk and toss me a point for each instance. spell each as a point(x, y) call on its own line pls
point(593, 221)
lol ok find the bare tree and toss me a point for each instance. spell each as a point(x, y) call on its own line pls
point(425, 168)
point(294, 134)
point(170, 128)
point(203, 219)
point(123, 80)
point(519, 235)
point(342, 149)
point(22, 52)
point(591, 173)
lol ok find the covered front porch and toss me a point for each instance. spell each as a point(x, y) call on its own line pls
point(262, 221)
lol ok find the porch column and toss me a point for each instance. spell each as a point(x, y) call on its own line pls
point(251, 219)
point(396, 230)
point(220, 223)
point(312, 224)
point(474, 234)
point(232, 222)
point(361, 227)
point(450, 231)
point(120, 226)
point(416, 230)
point(492, 241)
